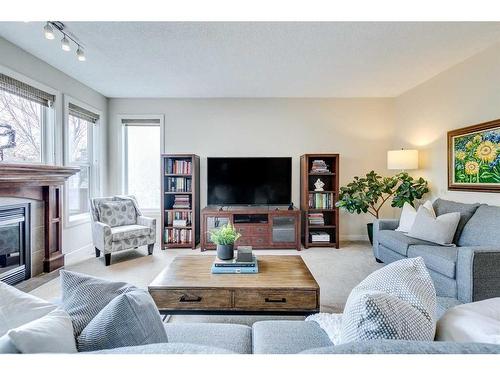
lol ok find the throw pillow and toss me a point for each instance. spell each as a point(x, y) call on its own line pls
point(117, 213)
point(443, 206)
point(83, 296)
point(434, 229)
point(18, 308)
point(396, 302)
point(52, 333)
point(408, 215)
point(471, 322)
point(130, 319)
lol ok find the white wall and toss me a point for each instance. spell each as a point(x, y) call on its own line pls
point(359, 129)
point(18, 60)
point(466, 94)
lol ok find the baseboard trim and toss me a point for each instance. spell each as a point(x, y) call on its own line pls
point(78, 255)
point(354, 237)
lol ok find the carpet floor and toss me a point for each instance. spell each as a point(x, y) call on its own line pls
point(337, 271)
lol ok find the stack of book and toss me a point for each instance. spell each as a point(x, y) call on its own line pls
point(316, 219)
point(321, 200)
point(175, 184)
point(178, 167)
point(181, 202)
point(178, 236)
point(176, 218)
point(233, 266)
point(320, 237)
point(319, 166)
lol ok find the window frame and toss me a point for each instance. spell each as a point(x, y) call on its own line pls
point(123, 145)
point(49, 120)
point(93, 138)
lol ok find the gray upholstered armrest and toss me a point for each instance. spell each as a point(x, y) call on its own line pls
point(385, 224)
point(478, 273)
point(101, 235)
point(147, 222)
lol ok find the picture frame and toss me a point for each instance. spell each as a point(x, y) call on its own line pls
point(474, 158)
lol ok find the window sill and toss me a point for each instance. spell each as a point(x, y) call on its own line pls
point(75, 220)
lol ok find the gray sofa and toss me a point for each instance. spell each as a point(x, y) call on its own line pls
point(468, 272)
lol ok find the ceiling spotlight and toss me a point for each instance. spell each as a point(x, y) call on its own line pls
point(48, 31)
point(65, 44)
point(80, 54)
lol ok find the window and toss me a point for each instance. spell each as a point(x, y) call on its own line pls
point(142, 148)
point(81, 135)
point(24, 127)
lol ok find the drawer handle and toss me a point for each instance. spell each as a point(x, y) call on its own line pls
point(276, 300)
point(185, 298)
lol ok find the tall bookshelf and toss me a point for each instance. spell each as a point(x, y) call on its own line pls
point(319, 214)
point(180, 188)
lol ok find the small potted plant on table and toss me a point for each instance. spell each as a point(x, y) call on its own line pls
point(368, 194)
point(224, 238)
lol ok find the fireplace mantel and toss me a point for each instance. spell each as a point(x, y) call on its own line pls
point(40, 182)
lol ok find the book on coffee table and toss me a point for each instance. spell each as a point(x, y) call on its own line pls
point(244, 270)
point(234, 266)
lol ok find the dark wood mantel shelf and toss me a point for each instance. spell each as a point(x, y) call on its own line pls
point(44, 183)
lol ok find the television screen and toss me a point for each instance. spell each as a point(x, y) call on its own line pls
point(249, 181)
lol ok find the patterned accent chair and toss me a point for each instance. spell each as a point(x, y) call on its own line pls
point(117, 224)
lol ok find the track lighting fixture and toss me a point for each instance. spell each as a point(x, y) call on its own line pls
point(49, 31)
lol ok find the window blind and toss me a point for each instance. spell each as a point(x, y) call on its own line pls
point(25, 91)
point(141, 121)
point(82, 113)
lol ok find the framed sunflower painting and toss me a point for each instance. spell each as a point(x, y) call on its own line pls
point(474, 158)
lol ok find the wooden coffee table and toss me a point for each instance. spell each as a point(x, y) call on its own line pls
point(284, 285)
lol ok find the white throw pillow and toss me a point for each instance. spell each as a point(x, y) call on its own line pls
point(18, 308)
point(408, 215)
point(440, 230)
point(471, 322)
point(52, 333)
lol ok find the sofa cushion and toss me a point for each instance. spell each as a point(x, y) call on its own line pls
point(395, 302)
point(234, 337)
point(407, 347)
point(287, 336)
point(442, 259)
point(466, 210)
point(398, 241)
point(471, 322)
point(130, 319)
point(482, 228)
point(129, 231)
point(445, 303)
point(165, 348)
point(117, 213)
point(84, 296)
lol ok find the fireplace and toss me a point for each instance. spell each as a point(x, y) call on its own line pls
point(15, 251)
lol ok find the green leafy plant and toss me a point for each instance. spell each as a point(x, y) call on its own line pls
point(368, 194)
point(225, 235)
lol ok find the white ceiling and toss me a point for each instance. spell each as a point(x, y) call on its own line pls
point(242, 59)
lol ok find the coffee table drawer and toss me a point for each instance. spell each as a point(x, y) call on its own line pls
point(275, 299)
point(191, 299)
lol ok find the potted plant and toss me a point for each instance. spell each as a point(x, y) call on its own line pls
point(368, 194)
point(225, 237)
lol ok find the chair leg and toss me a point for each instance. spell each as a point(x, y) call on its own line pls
point(378, 260)
point(97, 252)
point(150, 249)
point(107, 259)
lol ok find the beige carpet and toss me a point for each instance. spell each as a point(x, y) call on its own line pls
point(336, 271)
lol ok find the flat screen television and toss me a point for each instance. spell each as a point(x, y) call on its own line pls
point(249, 181)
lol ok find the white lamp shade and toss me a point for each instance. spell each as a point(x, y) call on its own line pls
point(402, 159)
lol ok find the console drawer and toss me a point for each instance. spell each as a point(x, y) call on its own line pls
point(253, 241)
point(191, 299)
point(275, 299)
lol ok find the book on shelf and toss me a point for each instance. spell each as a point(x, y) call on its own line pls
point(319, 166)
point(320, 237)
point(321, 200)
point(178, 236)
point(316, 219)
point(178, 184)
point(172, 216)
point(180, 223)
point(181, 201)
point(178, 166)
point(234, 263)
